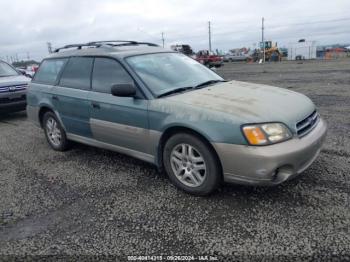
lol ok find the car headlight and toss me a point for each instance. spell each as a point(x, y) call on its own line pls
point(266, 134)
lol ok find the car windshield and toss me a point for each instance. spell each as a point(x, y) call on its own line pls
point(164, 72)
point(6, 70)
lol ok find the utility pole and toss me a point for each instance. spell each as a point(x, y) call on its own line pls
point(262, 39)
point(49, 47)
point(209, 31)
point(163, 38)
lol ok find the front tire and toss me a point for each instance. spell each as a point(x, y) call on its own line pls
point(191, 164)
point(55, 134)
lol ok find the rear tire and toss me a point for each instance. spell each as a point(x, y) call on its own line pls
point(54, 132)
point(191, 165)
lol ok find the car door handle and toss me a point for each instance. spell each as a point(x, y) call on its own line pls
point(95, 105)
point(55, 98)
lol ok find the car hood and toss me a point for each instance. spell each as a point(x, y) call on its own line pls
point(13, 80)
point(250, 103)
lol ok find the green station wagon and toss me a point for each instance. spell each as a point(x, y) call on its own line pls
point(167, 109)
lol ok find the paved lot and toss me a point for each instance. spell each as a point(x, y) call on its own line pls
point(91, 201)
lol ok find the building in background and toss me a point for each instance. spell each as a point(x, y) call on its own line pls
point(336, 52)
point(333, 52)
point(302, 50)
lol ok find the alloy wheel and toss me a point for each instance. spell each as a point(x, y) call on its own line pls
point(188, 165)
point(53, 132)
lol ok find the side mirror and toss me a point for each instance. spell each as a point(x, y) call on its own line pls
point(123, 90)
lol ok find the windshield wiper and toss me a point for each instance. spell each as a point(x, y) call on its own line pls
point(209, 82)
point(182, 89)
point(176, 90)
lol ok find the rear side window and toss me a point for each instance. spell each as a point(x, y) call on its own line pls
point(49, 70)
point(76, 73)
point(108, 72)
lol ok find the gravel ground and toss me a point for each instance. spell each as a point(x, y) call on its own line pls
point(89, 201)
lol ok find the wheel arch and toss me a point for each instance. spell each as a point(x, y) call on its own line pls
point(170, 131)
point(47, 108)
point(43, 109)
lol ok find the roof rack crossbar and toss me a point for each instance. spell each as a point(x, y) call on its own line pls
point(78, 46)
point(112, 41)
point(122, 43)
point(147, 43)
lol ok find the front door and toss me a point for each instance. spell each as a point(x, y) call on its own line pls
point(120, 121)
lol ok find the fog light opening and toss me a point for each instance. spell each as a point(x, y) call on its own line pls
point(282, 173)
point(275, 175)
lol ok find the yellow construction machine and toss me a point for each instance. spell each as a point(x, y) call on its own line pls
point(272, 53)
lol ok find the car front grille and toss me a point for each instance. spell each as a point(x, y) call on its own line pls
point(307, 124)
point(13, 88)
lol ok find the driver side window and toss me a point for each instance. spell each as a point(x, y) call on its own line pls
point(108, 72)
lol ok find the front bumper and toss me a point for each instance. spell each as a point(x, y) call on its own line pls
point(216, 63)
point(270, 165)
point(12, 101)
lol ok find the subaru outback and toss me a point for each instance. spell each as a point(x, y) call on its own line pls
point(166, 108)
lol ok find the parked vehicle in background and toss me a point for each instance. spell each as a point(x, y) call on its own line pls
point(31, 69)
point(237, 54)
point(231, 57)
point(24, 71)
point(27, 68)
point(209, 59)
point(13, 88)
point(167, 109)
point(184, 49)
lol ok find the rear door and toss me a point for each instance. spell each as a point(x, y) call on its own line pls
point(42, 87)
point(71, 95)
point(121, 121)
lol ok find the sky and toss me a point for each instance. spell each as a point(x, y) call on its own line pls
point(27, 26)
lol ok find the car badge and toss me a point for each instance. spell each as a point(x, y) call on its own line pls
point(310, 121)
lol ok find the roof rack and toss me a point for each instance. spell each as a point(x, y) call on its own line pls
point(110, 43)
